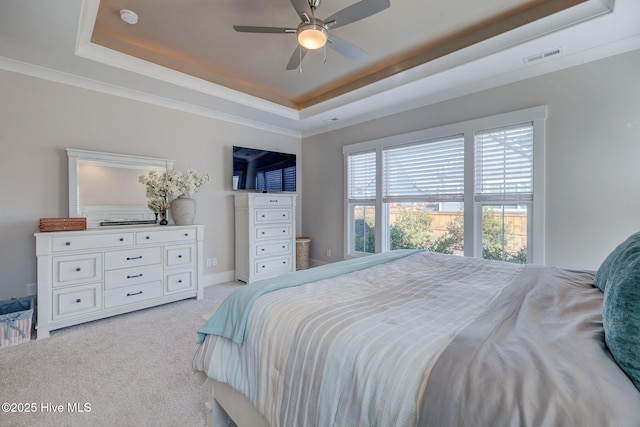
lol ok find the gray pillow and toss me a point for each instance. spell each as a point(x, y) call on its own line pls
point(602, 275)
point(621, 310)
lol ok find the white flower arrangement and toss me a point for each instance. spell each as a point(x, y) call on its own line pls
point(184, 184)
point(158, 204)
point(172, 183)
point(155, 184)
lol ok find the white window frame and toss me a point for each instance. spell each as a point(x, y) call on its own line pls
point(349, 242)
point(472, 210)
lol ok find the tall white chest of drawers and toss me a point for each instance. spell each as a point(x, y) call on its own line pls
point(97, 273)
point(265, 228)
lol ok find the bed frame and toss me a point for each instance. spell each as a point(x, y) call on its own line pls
point(226, 408)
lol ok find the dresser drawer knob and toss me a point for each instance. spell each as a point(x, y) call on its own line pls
point(284, 231)
point(79, 300)
point(186, 234)
point(284, 262)
point(263, 215)
point(122, 239)
point(262, 249)
point(133, 277)
point(148, 237)
point(262, 232)
point(284, 246)
point(134, 293)
point(78, 269)
point(180, 281)
point(130, 258)
point(67, 243)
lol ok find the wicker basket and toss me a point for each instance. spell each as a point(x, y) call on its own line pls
point(303, 246)
point(16, 318)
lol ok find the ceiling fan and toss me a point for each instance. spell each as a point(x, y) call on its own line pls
point(313, 33)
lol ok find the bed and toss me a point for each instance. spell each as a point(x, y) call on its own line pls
point(415, 338)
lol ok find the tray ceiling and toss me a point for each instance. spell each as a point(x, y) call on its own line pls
point(196, 37)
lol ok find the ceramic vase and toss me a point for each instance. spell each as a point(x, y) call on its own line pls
point(183, 210)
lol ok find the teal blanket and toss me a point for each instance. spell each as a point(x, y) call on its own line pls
point(230, 320)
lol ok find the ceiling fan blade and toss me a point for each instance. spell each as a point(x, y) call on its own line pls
point(296, 58)
point(249, 29)
point(302, 9)
point(347, 49)
point(356, 12)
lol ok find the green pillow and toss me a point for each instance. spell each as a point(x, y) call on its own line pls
point(621, 310)
point(602, 275)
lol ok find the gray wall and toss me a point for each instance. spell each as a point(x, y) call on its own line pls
point(593, 147)
point(39, 119)
point(592, 157)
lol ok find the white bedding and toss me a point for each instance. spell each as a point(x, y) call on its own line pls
point(428, 340)
point(355, 350)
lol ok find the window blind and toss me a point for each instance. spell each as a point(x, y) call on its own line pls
point(273, 180)
point(362, 177)
point(504, 164)
point(260, 180)
point(430, 171)
point(277, 179)
point(289, 174)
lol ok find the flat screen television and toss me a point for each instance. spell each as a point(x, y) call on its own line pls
point(263, 170)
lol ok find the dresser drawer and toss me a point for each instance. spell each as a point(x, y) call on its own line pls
point(132, 258)
point(73, 269)
point(76, 301)
point(275, 248)
point(132, 294)
point(271, 215)
point(176, 256)
point(185, 234)
point(272, 200)
point(91, 241)
point(274, 264)
point(134, 275)
point(272, 232)
point(178, 282)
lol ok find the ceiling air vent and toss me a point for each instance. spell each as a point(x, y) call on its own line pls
point(541, 56)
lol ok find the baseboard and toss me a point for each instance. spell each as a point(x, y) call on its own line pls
point(218, 278)
point(317, 263)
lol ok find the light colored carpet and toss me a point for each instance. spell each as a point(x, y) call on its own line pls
point(132, 370)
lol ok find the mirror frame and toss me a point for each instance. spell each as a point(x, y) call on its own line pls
point(76, 157)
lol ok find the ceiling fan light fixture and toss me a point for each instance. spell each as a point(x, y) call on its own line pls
point(312, 35)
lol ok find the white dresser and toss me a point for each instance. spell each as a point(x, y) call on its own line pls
point(97, 273)
point(265, 235)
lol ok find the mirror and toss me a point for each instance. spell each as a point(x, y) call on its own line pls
point(104, 187)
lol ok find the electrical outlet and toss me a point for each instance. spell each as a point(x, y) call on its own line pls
point(208, 262)
point(328, 253)
point(214, 261)
point(32, 289)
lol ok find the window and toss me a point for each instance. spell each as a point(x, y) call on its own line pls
point(472, 188)
point(361, 190)
point(504, 190)
point(424, 194)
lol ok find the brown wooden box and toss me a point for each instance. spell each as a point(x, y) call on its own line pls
point(63, 224)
